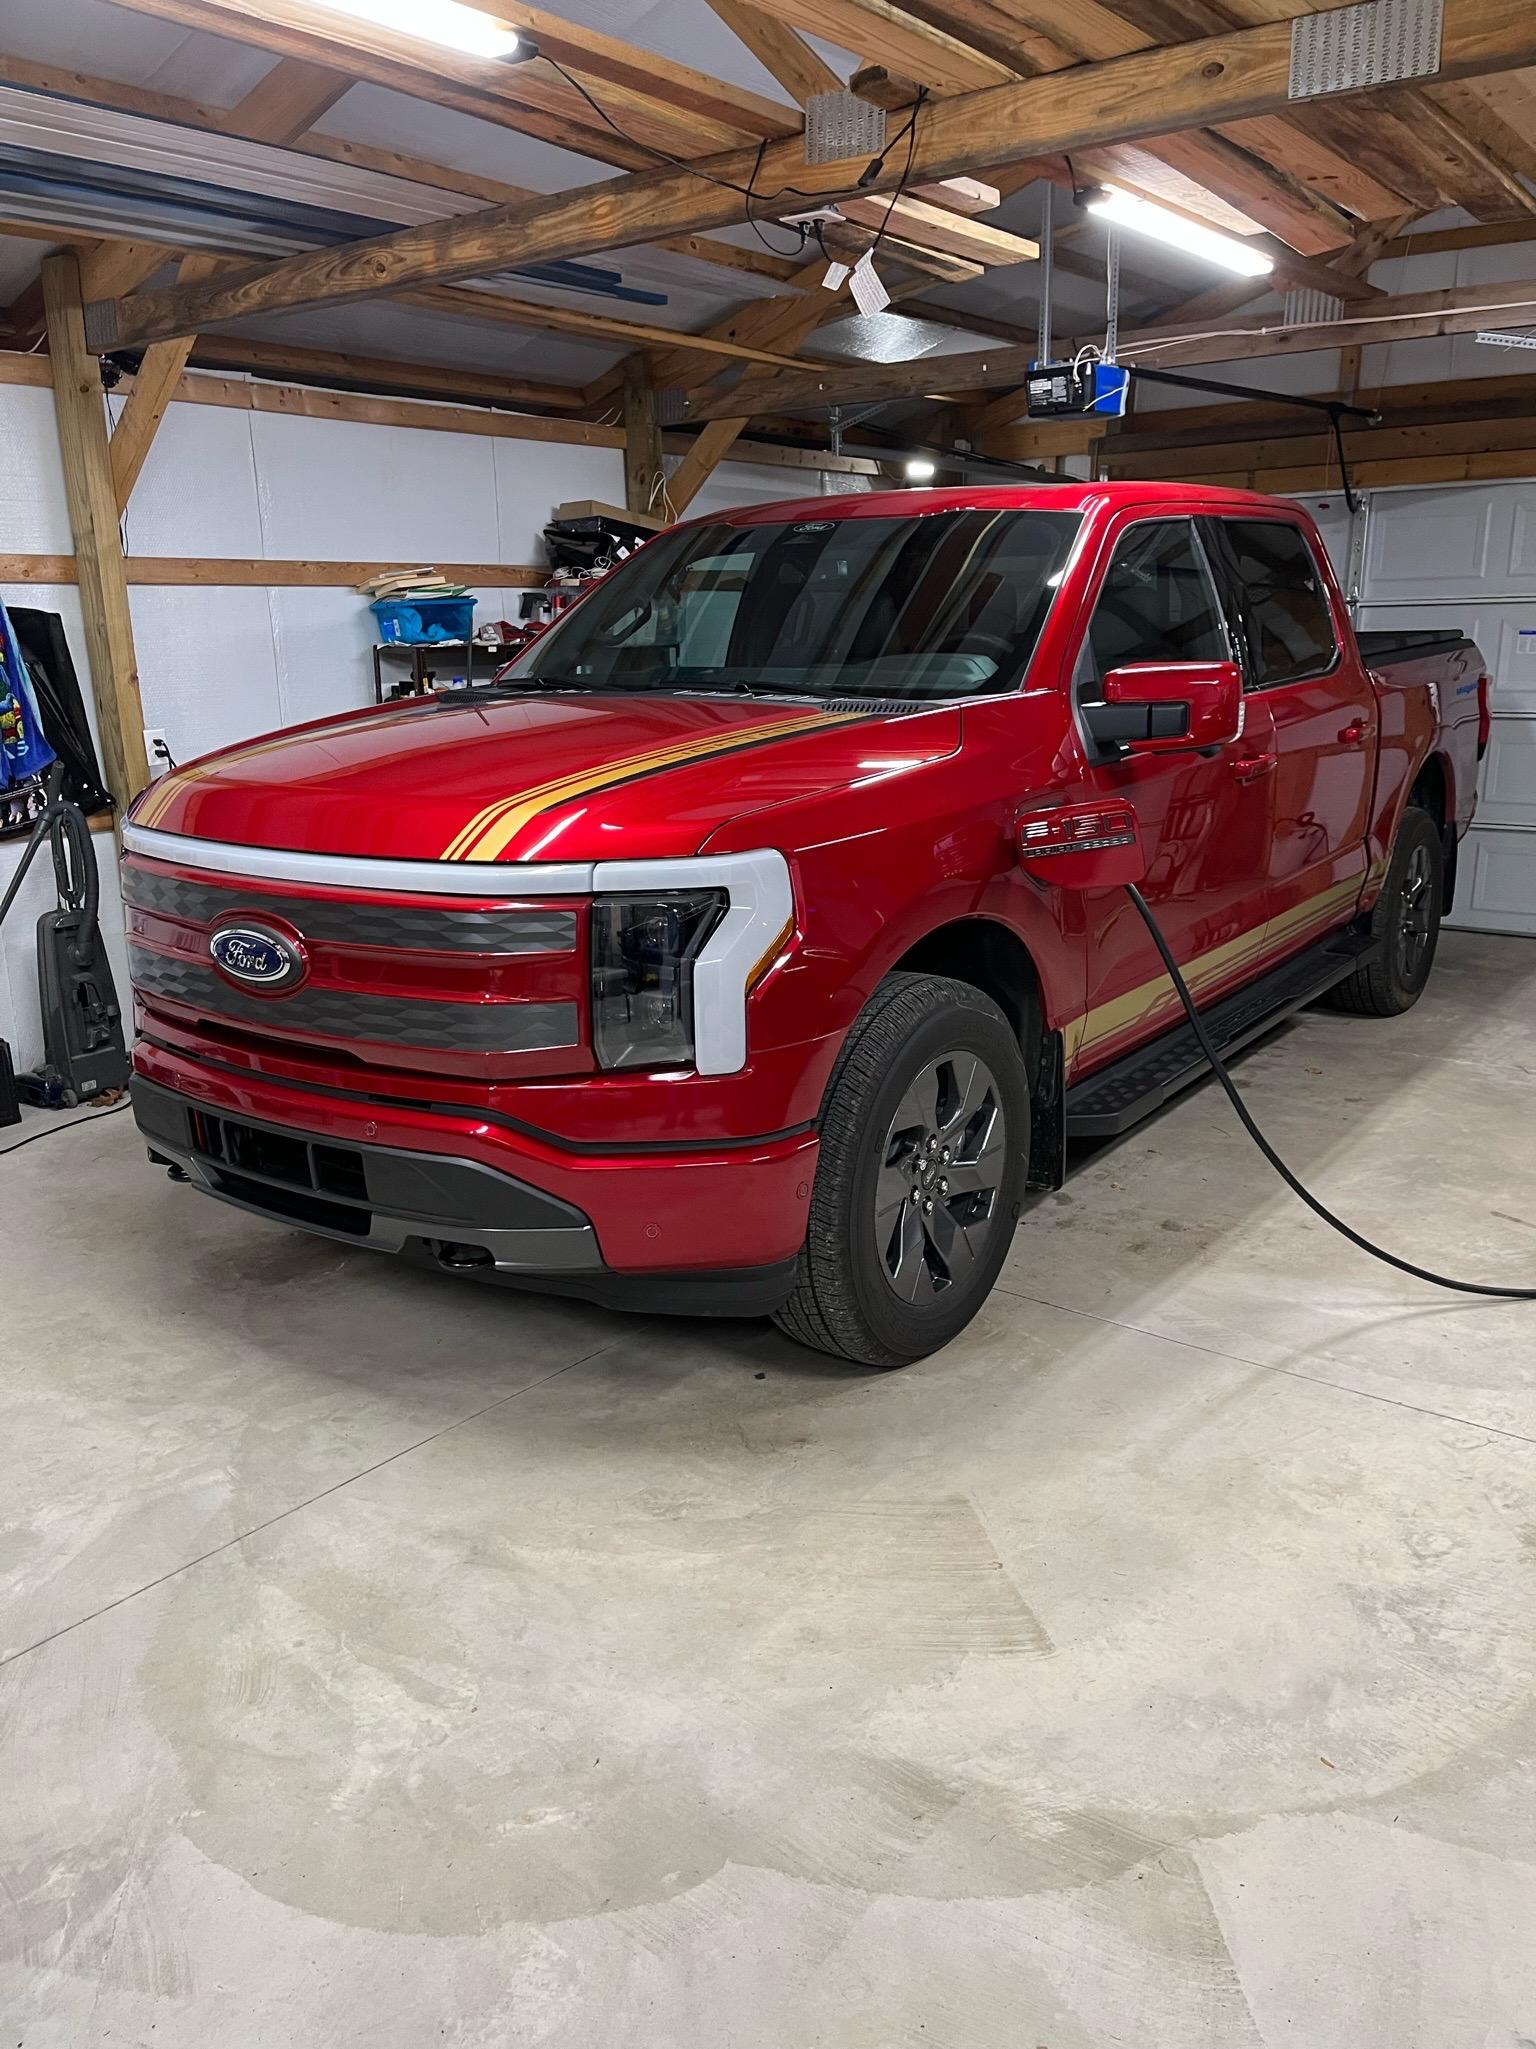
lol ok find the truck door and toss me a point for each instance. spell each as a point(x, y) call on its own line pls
point(1206, 818)
point(1300, 664)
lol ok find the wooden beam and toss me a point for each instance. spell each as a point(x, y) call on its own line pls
point(221, 572)
point(291, 98)
point(783, 53)
point(82, 425)
point(386, 375)
point(153, 389)
point(896, 39)
point(337, 149)
point(1155, 92)
point(934, 227)
point(644, 474)
point(1412, 317)
point(710, 446)
point(530, 97)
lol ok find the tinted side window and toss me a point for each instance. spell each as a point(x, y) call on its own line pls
point(1157, 603)
point(1286, 621)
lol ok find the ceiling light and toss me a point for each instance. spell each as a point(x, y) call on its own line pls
point(468, 29)
point(1143, 217)
point(921, 469)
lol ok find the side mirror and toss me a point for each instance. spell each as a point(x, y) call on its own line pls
point(1082, 846)
point(1168, 707)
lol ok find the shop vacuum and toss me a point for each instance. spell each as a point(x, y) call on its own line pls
point(84, 1058)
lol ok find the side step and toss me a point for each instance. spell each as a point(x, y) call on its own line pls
point(1118, 1096)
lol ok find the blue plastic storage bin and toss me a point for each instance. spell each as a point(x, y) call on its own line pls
point(418, 622)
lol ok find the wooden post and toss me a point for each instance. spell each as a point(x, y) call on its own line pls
point(82, 425)
point(643, 471)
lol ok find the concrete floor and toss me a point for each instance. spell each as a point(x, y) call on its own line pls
point(396, 1662)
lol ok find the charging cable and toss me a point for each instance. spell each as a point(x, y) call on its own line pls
point(1218, 1068)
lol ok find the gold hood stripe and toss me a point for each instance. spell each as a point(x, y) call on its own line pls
point(494, 828)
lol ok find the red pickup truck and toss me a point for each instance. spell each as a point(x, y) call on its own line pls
point(759, 940)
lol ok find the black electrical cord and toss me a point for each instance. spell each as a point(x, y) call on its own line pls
point(1218, 1068)
point(1335, 420)
point(92, 1117)
point(749, 191)
point(664, 156)
point(910, 132)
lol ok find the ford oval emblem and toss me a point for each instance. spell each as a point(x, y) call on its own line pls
point(257, 957)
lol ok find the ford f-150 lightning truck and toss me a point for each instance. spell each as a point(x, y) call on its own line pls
point(758, 941)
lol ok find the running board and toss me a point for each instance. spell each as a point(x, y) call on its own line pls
point(1120, 1095)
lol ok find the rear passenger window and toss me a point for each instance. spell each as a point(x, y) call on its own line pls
point(1158, 603)
point(1286, 622)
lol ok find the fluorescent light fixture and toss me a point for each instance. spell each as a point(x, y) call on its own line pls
point(921, 469)
point(468, 29)
point(1143, 217)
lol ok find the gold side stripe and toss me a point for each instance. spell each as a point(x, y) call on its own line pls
point(1139, 1005)
point(492, 829)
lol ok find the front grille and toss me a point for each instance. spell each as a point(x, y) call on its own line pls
point(355, 1014)
point(401, 927)
point(287, 1176)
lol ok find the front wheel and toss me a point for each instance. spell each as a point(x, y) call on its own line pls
point(1405, 925)
point(924, 1149)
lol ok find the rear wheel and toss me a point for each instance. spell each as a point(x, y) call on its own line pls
point(924, 1146)
point(1405, 924)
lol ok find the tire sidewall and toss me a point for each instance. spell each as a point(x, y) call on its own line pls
point(1417, 828)
point(910, 1330)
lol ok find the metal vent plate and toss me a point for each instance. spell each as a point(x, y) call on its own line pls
point(1347, 48)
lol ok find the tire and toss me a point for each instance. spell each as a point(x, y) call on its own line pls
point(896, 1261)
point(1405, 923)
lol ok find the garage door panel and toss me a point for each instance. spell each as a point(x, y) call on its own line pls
point(1507, 790)
point(1465, 557)
point(1494, 891)
point(1444, 543)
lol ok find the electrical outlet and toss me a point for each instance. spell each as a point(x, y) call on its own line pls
point(156, 748)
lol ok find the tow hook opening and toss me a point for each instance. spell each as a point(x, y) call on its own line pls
point(451, 1253)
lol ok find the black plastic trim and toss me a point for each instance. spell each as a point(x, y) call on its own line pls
point(1112, 1099)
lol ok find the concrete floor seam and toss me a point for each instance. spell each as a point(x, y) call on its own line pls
point(1288, 1372)
point(298, 1507)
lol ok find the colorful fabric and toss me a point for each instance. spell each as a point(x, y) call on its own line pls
point(24, 753)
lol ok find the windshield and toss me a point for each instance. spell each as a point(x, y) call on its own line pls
point(946, 605)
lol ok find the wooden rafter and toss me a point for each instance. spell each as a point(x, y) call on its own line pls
point(1158, 91)
point(336, 149)
point(783, 53)
point(633, 125)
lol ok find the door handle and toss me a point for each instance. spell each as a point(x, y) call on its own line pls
point(1247, 768)
point(1352, 734)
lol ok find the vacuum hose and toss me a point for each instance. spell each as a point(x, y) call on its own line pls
point(1218, 1068)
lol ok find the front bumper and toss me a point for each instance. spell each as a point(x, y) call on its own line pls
point(700, 1232)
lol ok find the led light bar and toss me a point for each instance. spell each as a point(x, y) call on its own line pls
point(468, 29)
point(1143, 217)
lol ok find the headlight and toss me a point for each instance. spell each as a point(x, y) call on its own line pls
point(643, 951)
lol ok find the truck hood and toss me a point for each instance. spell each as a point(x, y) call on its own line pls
point(577, 778)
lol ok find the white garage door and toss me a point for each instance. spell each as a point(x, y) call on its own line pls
point(1464, 555)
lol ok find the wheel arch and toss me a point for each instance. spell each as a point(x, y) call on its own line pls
point(993, 958)
point(1433, 791)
